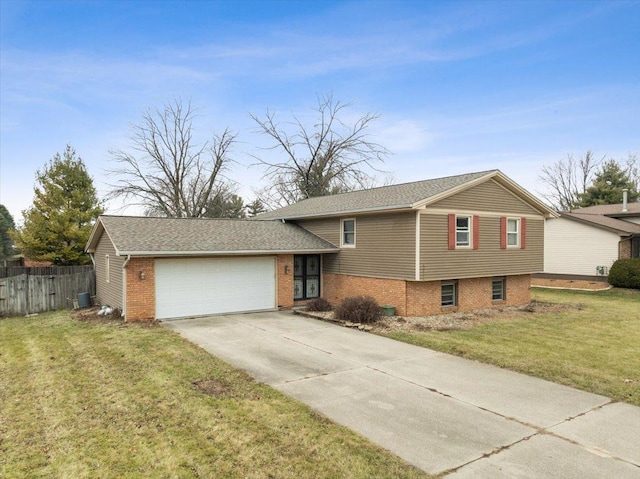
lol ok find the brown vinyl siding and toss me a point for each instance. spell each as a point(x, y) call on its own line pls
point(385, 245)
point(326, 228)
point(488, 196)
point(438, 262)
point(108, 293)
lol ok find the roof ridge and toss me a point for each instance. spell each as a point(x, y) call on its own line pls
point(190, 218)
point(403, 184)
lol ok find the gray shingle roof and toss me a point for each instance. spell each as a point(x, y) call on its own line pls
point(383, 198)
point(633, 209)
point(617, 226)
point(164, 236)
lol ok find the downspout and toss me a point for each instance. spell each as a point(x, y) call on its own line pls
point(124, 286)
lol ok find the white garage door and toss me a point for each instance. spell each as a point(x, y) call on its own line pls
point(197, 286)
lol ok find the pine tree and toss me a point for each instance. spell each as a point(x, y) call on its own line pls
point(607, 186)
point(6, 225)
point(57, 226)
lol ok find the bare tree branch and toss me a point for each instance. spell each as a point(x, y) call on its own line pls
point(167, 173)
point(329, 157)
point(568, 179)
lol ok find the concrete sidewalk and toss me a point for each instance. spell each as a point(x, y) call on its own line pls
point(439, 412)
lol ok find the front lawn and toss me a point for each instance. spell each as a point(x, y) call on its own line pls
point(103, 399)
point(592, 345)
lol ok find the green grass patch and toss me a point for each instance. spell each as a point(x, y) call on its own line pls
point(103, 399)
point(593, 346)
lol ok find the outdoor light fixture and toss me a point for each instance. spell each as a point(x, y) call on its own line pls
point(141, 275)
point(286, 269)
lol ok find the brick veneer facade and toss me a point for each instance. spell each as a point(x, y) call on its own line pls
point(140, 290)
point(410, 298)
point(284, 278)
point(624, 249)
point(420, 298)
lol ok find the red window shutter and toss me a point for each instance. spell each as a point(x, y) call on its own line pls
point(476, 232)
point(452, 231)
point(523, 233)
point(503, 232)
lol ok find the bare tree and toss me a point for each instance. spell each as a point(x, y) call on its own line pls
point(166, 172)
point(632, 168)
point(568, 179)
point(328, 157)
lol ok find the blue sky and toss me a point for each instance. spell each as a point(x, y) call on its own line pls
point(459, 86)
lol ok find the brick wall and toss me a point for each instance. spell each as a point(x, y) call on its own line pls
point(624, 249)
point(140, 294)
point(392, 292)
point(518, 290)
point(284, 275)
point(421, 298)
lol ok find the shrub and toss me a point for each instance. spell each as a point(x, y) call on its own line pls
point(359, 309)
point(319, 304)
point(625, 273)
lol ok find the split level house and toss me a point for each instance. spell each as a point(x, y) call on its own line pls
point(441, 245)
point(583, 244)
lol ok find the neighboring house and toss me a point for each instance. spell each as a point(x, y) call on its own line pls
point(449, 244)
point(584, 243)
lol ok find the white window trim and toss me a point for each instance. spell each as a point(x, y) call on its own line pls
point(107, 267)
point(470, 232)
point(517, 232)
point(342, 244)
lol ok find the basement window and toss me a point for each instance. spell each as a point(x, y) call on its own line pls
point(498, 289)
point(449, 295)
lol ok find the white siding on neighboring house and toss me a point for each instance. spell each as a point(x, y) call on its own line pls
point(575, 248)
point(631, 220)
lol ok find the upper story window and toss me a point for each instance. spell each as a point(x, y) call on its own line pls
point(463, 231)
point(348, 233)
point(513, 232)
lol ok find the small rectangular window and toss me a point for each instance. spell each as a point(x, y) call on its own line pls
point(513, 232)
point(497, 289)
point(106, 267)
point(463, 231)
point(449, 295)
point(349, 232)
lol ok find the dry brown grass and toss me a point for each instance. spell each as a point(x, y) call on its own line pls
point(97, 398)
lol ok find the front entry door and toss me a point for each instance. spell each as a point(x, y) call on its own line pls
point(306, 276)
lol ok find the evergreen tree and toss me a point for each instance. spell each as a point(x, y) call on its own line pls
point(57, 226)
point(607, 186)
point(6, 224)
point(255, 208)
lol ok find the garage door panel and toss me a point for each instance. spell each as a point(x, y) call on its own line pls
point(196, 287)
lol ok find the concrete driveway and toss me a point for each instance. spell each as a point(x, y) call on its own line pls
point(439, 412)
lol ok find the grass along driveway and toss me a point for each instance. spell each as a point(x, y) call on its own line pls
point(104, 399)
point(593, 345)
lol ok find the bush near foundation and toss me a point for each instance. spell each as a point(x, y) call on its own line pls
point(359, 309)
point(319, 304)
point(625, 273)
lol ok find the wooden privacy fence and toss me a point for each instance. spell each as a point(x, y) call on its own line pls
point(27, 293)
